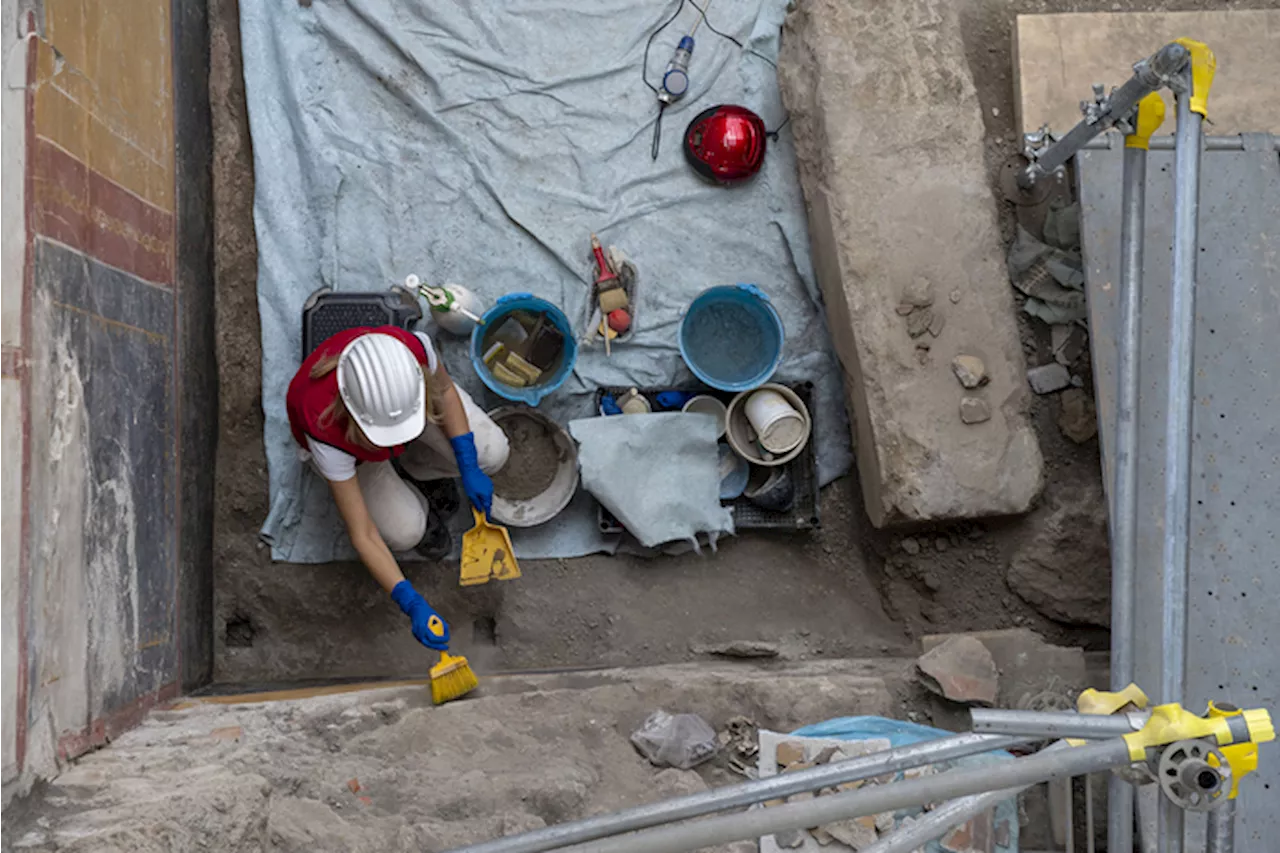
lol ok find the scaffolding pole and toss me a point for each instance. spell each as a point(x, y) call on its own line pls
point(1177, 464)
point(1093, 757)
point(746, 793)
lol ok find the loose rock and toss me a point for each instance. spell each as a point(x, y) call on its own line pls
point(821, 836)
point(974, 410)
point(970, 370)
point(859, 833)
point(919, 321)
point(972, 835)
point(790, 839)
point(1048, 378)
point(1079, 417)
point(910, 545)
point(936, 324)
point(962, 670)
point(919, 293)
point(827, 755)
point(789, 752)
point(745, 649)
point(1064, 571)
point(1068, 342)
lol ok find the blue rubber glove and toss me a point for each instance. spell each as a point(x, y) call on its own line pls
point(428, 627)
point(475, 483)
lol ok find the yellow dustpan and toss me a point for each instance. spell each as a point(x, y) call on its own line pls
point(487, 554)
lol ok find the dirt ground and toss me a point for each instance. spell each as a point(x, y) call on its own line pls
point(847, 589)
point(368, 770)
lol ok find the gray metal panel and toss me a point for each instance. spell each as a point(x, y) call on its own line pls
point(1234, 597)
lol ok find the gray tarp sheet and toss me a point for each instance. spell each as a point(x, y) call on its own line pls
point(482, 144)
point(659, 474)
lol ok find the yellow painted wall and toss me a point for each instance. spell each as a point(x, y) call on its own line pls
point(104, 91)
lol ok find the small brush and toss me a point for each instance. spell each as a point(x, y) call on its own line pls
point(451, 679)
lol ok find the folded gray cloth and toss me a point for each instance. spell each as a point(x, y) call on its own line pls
point(658, 474)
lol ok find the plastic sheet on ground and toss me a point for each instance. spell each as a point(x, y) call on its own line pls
point(482, 144)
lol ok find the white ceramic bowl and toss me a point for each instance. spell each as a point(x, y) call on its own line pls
point(705, 404)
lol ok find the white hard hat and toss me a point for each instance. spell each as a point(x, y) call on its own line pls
point(382, 386)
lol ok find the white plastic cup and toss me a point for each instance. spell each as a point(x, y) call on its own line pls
point(779, 427)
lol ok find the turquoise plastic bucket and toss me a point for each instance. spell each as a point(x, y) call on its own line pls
point(731, 337)
point(531, 395)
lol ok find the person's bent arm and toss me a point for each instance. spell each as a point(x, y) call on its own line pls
point(453, 420)
point(453, 415)
point(431, 630)
point(364, 534)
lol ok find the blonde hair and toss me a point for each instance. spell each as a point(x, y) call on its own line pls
point(336, 412)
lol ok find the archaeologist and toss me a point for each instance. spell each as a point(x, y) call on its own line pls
point(367, 396)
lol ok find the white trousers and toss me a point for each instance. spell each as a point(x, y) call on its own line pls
point(398, 509)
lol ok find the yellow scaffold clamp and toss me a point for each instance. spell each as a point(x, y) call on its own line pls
point(1147, 120)
point(1203, 66)
point(1175, 741)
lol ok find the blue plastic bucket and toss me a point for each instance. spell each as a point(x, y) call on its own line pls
point(731, 337)
point(533, 394)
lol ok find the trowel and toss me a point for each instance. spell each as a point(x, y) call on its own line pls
point(487, 553)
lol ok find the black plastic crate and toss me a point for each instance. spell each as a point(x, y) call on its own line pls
point(746, 515)
point(328, 312)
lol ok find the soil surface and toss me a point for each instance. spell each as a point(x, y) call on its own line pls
point(384, 770)
point(533, 462)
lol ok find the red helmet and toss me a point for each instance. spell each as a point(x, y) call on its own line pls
point(725, 143)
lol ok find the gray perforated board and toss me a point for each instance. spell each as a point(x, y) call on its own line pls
point(1234, 615)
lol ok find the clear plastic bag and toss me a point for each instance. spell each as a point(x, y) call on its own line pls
point(675, 740)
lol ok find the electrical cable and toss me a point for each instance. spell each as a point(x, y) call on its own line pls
point(725, 35)
point(702, 18)
point(644, 69)
point(657, 131)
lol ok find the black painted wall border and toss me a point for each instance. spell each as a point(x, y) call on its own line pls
point(197, 375)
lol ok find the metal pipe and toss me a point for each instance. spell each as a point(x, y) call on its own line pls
point(1068, 814)
point(745, 794)
point(1107, 141)
point(723, 829)
point(1045, 725)
point(1177, 462)
point(1088, 814)
point(1148, 75)
point(1124, 493)
point(1221, 834)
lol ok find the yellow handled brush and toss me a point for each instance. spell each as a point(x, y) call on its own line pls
point(452, 677)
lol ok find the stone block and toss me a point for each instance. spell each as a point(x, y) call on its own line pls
point(889, 141)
